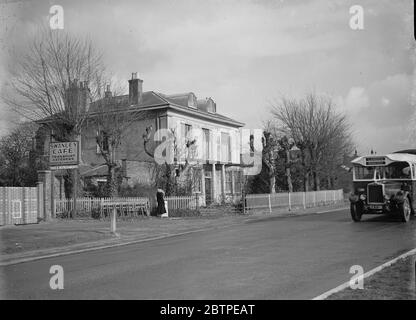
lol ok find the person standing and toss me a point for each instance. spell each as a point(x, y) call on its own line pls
point(160, 198)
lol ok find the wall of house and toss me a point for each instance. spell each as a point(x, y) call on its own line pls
point(216, 154)
point(139, 172)
point(131, 147)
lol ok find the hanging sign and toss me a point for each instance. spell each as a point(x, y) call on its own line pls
point(63, 155)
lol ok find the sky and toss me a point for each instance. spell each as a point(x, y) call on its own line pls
point(246, 54)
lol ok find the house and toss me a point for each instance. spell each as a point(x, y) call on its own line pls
point(217, 146)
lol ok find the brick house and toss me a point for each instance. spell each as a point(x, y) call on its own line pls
point(217, 140)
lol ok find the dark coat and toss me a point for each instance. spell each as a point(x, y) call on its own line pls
point(160, 197)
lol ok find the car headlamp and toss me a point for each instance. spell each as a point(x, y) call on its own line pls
point(362, 197)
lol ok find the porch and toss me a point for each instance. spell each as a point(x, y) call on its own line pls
point(220, 183)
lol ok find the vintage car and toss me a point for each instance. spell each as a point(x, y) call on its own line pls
point(384, 184)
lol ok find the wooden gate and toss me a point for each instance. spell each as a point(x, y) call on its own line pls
point(20, 205)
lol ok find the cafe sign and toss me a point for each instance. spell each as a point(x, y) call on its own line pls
point(63, 155)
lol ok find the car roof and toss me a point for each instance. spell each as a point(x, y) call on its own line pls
point(373, 159)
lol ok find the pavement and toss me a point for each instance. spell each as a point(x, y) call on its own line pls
point(274, 257)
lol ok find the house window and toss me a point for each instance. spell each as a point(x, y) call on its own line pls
point(218, 144)
point(225, 147)
point(206, 143)
point(161, 123)
point(188, 129)
point(228, 181)
point(103, 145)
point(197, 180)
point(185, 129)
point(185, 137)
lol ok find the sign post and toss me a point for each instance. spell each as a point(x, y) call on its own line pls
point(65, 155)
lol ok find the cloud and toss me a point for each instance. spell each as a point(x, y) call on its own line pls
point(380, 112)
point(356, 100)
point(385, 102)
point(246, 53)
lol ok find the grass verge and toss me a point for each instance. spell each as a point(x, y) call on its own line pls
point(396, 282)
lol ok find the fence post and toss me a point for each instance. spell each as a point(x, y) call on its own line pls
point(113, 226)
point(148, 207)
point(101, 207)
point(243, 197)
point(41, 213)
point(290, 205)
point(314, 198)
point(270, 205)
point(45, 177)
point(197, 201)
point(304, 200)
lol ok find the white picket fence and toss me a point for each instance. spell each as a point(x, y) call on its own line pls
point(103, 206)
point(134, 206)
point(182, 202)
point(294, 199)
point(127, 205)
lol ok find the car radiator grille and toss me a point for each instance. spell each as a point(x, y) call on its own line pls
point(375, 193)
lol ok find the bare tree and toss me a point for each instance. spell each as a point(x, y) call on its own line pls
point(286, 146)
point(45, 75)
point(277, 151)
point(177, 168)
point(55, 79)
point(269, 156)
point(112, 121)
point(321, 134)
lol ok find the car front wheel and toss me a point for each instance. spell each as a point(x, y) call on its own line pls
point(356, 212)
point(405, 210)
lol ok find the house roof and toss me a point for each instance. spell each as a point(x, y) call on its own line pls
point(185, 103)
point(93, 171)
point(151, 100)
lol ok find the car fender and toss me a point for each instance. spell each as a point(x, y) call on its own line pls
point(354, 198)
point(400, 196)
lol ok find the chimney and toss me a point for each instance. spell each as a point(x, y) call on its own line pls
point(135, 89)
point(83, 96)
point(77, 97)
point(107, 92)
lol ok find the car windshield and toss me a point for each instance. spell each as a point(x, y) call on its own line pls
point(396, 170)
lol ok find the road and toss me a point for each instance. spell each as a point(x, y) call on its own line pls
point(274, 258)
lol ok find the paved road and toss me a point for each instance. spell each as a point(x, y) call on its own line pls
point(275, 258)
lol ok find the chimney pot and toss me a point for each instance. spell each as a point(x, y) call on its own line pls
point(107, 92)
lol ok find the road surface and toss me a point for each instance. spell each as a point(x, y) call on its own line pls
point(274, 258)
